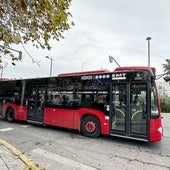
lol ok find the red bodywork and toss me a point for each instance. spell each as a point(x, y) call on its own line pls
point(72, 118)
point(83, 73)
point(20, 111)
point(134, 68)
point(68, 118)
point(156, 130)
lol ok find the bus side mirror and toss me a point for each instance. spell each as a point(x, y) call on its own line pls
point(167, 78)
point(153, 79)
point(153, 70)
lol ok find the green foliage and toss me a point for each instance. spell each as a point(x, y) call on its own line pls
point(166, 66)
point(31, 20)
point(165, 104)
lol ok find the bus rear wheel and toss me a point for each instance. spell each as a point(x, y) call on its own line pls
point(90, 127)
point(10, 115)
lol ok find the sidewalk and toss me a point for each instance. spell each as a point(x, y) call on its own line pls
point(13, 159)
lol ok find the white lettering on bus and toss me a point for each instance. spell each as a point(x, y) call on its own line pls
point(118, 76)
point(86, 78)
point(138, 76)
point(102, 76)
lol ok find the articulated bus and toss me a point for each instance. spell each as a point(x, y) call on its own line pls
point(122, 103)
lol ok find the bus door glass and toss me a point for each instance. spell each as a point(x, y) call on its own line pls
point(119, 108)
point(138, 114)
point(128, 113)
point(36, 103)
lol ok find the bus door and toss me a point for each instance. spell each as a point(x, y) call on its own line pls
point(118, 111)
point(139, 117)
point(36, 104)
point(128, 114)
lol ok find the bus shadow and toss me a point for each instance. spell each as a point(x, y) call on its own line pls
point(130, 142)
point(75, 134)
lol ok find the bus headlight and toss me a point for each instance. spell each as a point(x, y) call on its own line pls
point(160, 129)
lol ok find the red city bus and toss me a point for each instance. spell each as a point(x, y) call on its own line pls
point(122, 103)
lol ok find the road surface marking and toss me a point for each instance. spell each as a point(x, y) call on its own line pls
point(6, 129)
point(62, 160)
point(25, 126)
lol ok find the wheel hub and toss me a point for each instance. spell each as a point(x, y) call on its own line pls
point(90, 127)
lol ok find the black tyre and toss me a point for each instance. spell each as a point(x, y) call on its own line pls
point(90, 127)
point(10, 115)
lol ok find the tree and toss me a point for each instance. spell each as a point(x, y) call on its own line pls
point(166, 66)
point(165, 106)
point(22, 21)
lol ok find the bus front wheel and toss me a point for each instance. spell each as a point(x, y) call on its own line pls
point(10, 115)
point(90, 127)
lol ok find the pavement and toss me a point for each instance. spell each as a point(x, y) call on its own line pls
point(13, 159)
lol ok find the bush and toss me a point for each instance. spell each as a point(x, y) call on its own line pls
point(165, 104)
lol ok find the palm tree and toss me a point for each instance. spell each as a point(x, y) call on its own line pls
point(166, 66)
point(166, 70)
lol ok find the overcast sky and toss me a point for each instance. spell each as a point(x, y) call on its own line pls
point(103, 27)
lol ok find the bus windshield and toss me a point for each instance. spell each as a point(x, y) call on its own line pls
point(154, 103)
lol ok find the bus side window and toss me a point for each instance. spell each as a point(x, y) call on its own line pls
point(86, 102)
point(64, 100)
point(75, 101)
point(57, 99)
point(101, 99)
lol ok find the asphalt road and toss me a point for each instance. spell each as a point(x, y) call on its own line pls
point(62, 149)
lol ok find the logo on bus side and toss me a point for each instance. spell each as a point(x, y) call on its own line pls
point(86, 77)
point(102, 76)
point(118, 76)
point(138, 76)
point(90, 77)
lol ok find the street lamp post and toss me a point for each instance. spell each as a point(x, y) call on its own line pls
point(148, 39)
point(51, 59)
point(1, 67)
point(111, 59)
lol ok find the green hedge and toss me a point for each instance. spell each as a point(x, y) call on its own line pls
point(165, 104)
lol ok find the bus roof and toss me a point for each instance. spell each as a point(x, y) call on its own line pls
point(130, 68)
point(150, 69)
point(83, 73)
point(3, 79)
